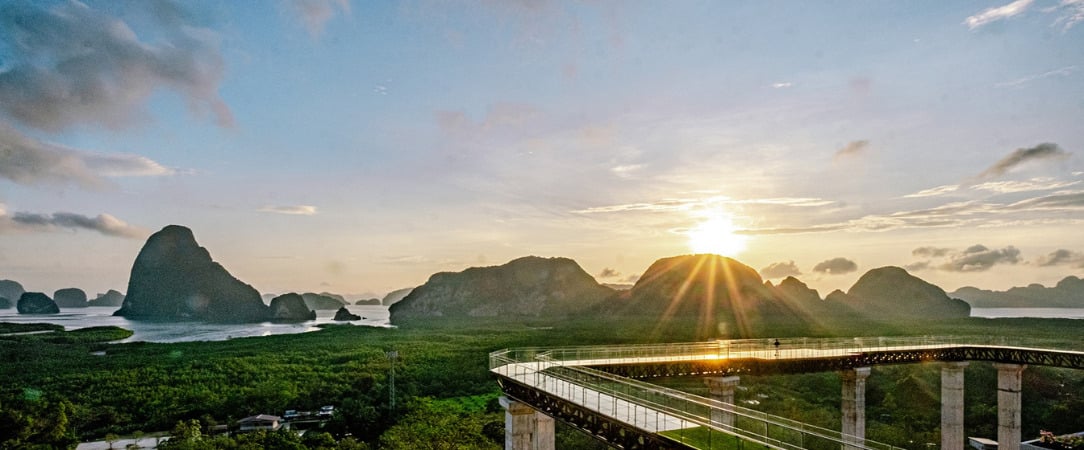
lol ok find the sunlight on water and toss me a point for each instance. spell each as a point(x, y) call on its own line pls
point(74, 318)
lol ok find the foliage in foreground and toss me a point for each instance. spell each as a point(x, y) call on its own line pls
point(84, 388)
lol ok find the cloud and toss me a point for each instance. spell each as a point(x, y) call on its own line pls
point(296, 210)
point(1069, 13)
point(1072, 13)
point(75, 65)
point(1020, 156)
point(918, 266)
point(836, 266)
point(954, 214)
point(1035, 184)
point(1062, 72)
point(314, 14)
point(686, 204)
point(1058, 201)
point(934, 191)
point(978, 258)
point(632, 278)
point(782, 85)
point(1062, 257)
point(103, 223)
point(851, 150)
point(999, 187)
point(931, 252)
point(997, 13)
point(780, 270)
point(608, 273)
point(28, 161)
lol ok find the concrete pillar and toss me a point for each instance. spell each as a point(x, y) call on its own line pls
point(525, 428)
point(854, 405)
point(952, 405)
point(722, 389)
point(1008, 405)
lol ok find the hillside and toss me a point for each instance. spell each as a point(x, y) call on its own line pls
point(529, 287)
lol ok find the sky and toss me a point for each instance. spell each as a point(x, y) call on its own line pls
point(359, 147)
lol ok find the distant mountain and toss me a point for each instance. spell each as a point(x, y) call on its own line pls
point(36, 303)
point(173, 278)
point(110, 298)
point(290, 308)
point(525, 288)
point(323, 301)
point(1068, 293)
point(10, 291)
point(892, 293)
point(368, 301)
point(707, 296)
point(395, 296)
point(70, 298)
point(715, 295)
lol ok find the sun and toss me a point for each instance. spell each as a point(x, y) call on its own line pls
point(716, 234)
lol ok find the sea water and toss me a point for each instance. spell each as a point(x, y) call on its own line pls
point(96, 316)
point(375, 316)
point(1045, 313)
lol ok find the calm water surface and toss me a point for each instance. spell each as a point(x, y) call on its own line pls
point(1046, 313)
point(376, 316)
point(94, 316)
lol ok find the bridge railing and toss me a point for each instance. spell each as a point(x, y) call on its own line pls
point(702, 416)
point(787, 347)
point(654, 408)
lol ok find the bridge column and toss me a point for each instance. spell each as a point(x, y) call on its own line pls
point(525, 428)
point(952, 405)
point(854, 405)
point(1008, 405)
point(722, 389)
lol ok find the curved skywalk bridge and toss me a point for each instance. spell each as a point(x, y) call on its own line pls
point(593, 388)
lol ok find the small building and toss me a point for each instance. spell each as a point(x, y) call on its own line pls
point(259, 422)
point(978, 443)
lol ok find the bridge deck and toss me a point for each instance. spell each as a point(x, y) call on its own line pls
point(640, 416)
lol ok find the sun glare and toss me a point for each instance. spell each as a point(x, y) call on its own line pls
point(716, 234)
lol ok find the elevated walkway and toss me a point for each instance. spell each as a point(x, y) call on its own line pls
point(595, 388)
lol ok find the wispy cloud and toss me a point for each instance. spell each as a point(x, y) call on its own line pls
point(296, 210)
point(1062, 257)
point(29, 161)
point(851, 150)
point(102, 223)
point(608, 273)
point(314, 14)
point(687, 204)
point(1021, 156)
point(934, 191)
point(782, 85)
point(75, 65)
point(931, 252)
point(997, 13)
point(780, 270)
point(1068, 13)
point(978, 258)
point(1062, 72)
point(999, 187)
point(953, 214)
point(1035, 184)
point(836, 266)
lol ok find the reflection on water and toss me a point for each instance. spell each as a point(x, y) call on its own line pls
point(94, 316)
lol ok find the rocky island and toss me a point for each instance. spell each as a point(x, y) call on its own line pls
point(173, 278)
